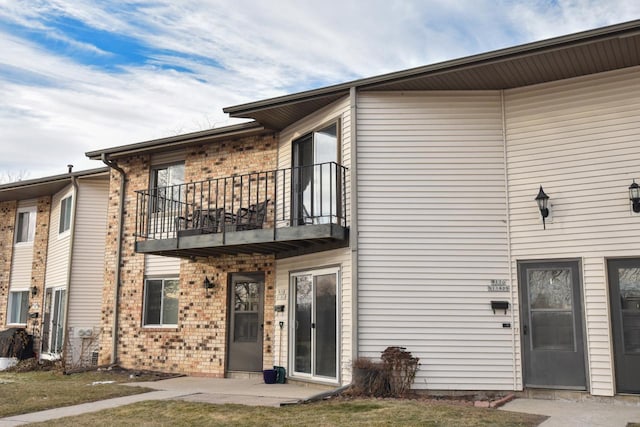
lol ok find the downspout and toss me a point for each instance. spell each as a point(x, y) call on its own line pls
point(514, 329)
point(353, 231)
point(116, 288)
point(72, 232)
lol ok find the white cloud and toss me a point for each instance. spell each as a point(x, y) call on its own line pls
point(53, 108)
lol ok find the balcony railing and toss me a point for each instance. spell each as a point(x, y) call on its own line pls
point(272, 200)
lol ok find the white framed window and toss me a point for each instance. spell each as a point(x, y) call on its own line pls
point(160, 308)
point(25, 225)
point(65, 214)
point(18, 307)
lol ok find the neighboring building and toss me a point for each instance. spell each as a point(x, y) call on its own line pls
point(52, 236)
point(443, 250)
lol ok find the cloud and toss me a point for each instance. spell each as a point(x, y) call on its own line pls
point(78, 75)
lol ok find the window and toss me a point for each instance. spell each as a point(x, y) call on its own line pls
point(25, 225)
point(65, 214)
point(166, 188)
point(161, 302)
point(18, 307)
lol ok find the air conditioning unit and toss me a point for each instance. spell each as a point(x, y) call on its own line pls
point(84, 332)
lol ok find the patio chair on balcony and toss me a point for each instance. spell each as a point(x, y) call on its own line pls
point(251, 218)
point(201, 221)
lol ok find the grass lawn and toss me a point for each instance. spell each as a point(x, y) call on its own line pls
point(25, 392)
point(330, 413)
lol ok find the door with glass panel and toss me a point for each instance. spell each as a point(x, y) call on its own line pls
point(55, 300)
point(551, 325)
point(246, 313)
point(315, 175)
point(624, 293)
point(314, 324)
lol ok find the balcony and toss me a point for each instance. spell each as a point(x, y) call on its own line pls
point(285, 212)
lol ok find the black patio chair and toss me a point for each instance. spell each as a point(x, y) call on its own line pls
point(251, 218)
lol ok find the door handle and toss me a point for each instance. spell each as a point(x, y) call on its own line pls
point(313, 326)
point(524, 329)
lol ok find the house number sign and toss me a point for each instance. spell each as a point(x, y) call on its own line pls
point(498, 285)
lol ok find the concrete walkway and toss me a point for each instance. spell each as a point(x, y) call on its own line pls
point(254, 392)
point(241, 391)
point(569, 414)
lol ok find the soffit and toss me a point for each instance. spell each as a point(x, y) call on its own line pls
point(589, 52)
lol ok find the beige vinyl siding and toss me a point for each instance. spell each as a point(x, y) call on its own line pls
point(339, 110)
point(167, 158)
point(58, 253)
point(161, 266)
point(22, 257)
point(340, 258)
point(87, 275)
point(579, 140)
point(432, 234)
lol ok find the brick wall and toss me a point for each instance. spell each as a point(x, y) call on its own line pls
point(198, 345)
point(7, 221)
point(38, 267)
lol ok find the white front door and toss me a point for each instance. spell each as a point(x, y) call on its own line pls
point(53, 322)
point(315, 324)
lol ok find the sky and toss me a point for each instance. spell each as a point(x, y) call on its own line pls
point(81, 75)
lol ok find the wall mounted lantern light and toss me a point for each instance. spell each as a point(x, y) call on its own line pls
point(543, 204)
point(634, 196)
point(208, 284)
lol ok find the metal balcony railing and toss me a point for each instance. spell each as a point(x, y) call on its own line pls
point(291, 197)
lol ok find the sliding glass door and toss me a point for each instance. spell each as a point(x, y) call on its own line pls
point(315, 174)
point(53, 322)
point(315, 323)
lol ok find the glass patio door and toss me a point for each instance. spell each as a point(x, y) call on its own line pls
point(315, 198)
point(315, 324)
point(53, 321)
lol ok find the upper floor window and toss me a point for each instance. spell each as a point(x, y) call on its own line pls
point(25, 225)
point(65, 214)
point(165, 186)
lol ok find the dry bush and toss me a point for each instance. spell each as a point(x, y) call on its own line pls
point(392, 376)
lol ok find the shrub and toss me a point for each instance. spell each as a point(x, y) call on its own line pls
point(392, 376)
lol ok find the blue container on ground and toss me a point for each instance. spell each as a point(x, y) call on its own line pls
point(270, 376)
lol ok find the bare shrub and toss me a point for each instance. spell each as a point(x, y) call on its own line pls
point(392, 376)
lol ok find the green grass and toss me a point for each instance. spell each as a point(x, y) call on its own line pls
point(25, 392)
point(331, 413)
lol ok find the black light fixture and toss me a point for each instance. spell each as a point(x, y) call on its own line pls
point(208, 284)
point(543, 204)
point(634, 196)
point(34, 291)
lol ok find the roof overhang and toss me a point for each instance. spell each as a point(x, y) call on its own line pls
point(589, 52)
point(180, 141)
point(34, 188)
